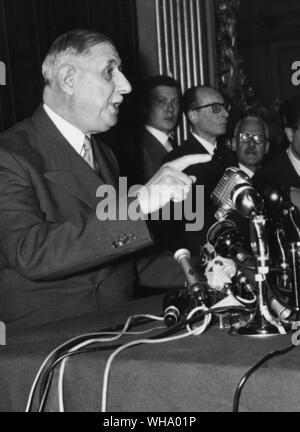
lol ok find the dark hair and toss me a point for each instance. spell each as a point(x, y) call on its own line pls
point(80, 40)
point(290, 112)
point(156, 81)
point(190, 97)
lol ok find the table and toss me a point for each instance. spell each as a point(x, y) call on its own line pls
point(196, 374)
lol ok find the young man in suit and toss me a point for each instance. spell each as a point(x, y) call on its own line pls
point(59, 258)
point(160, 106)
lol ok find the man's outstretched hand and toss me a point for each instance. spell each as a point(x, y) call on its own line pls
point(169, 183)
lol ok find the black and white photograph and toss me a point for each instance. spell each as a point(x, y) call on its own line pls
point(149, 209)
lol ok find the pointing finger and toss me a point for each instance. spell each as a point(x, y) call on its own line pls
point(184, 161)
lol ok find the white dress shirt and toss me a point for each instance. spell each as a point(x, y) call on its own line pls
point(209, 147)
point(161, 136)
point(73, 135)
point(294, 161)
point(246, 170)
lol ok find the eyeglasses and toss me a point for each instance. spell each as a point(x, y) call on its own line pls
point(216, 107)
point(246, 137)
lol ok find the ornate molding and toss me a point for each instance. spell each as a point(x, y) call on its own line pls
point(232, 78)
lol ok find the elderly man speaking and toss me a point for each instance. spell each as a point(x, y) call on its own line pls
point(57, 259)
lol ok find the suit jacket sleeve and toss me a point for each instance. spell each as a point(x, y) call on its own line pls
point(40, 248)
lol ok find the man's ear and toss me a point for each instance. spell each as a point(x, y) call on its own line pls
point(233, 144)
point(267, 147)
point(289, 134)
point(192, 116)
point(66, 76)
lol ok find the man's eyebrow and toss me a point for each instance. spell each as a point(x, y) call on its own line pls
point(114, 62)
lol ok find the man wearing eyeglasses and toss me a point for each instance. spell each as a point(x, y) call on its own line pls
point(207, 114)
point(251, 143)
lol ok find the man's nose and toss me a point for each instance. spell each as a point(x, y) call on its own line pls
point(170, 106)
point(225, 112)
point(251, 143)
point(124, 85)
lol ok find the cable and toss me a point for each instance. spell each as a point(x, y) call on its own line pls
point(138, 321)
point(247, 375)
point(207, 318)
point(168, 331)
point(44, 394)
point(189, 332)
point(242, 299)
point(48, 373)
point(277, 296)
point(97, 340)
point(47, 376)
point(56, 351)
point(128, 345)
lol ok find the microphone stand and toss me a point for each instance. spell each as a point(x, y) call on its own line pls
point(263, 323)
point(291, 213)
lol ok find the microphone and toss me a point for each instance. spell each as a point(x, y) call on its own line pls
point(236, 192)
point(228, 242)
point(195, 286)
point(175, 304)
point(279, 206)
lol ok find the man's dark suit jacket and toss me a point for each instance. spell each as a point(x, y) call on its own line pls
point(57, 260)
point(152, 154)
point(207, 174)
point(279, 170)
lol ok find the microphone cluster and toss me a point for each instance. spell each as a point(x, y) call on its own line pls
point(180, 302)
point(274, 224)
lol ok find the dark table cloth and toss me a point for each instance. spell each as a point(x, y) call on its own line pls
point(195, 374)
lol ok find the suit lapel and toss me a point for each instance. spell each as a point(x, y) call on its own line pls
point(196, 146)
point(154, 146)
point(103, 163)
point(63, 166)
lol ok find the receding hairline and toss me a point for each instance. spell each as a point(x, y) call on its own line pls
point(250, 120)
point(72, 45)
point(205, 91)
point(195, 96)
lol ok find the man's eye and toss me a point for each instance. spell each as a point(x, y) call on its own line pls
point(108, 73)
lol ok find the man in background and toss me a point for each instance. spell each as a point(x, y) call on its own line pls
point(251, 143)
point(207, 114)
point(284, 169)
point(160, 107)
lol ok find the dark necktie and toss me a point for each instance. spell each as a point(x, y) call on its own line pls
point(172, 141)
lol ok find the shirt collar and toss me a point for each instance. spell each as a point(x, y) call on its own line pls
point(248, 171)
point(161, 136)
point(209, 147)
point(73, 135)
point(294, 161)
